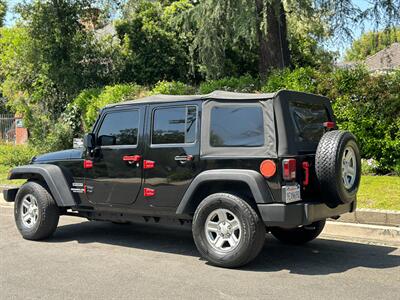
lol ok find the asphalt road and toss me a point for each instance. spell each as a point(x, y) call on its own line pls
point(100, 260)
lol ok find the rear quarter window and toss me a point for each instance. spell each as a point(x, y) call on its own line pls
point(236, 126)
point(308, 119)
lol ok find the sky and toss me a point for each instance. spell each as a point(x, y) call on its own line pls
point(333, 45)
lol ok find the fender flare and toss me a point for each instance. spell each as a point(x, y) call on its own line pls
point(54, 178)
point(253, 179)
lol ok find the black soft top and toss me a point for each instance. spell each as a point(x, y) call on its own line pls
point(217, 95)
point(281, 135)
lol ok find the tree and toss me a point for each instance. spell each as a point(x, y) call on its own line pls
point(3, 11)
point(371, 42)
point(152, 51)
point(46, 60)
point(263, 24)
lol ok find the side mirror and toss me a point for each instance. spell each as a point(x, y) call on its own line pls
point(88, 141)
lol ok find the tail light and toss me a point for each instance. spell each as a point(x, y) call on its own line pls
point(329, 125)
point(289, 169)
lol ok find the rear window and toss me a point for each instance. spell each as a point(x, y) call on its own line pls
point(237, 126)
point(308, 119)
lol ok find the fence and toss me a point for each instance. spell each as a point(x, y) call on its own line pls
point(7, 128)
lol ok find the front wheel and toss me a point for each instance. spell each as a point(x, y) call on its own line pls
point(35, 211)
point(299, 235)
point(227, 231)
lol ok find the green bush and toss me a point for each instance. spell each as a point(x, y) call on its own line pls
point(89, 102)
point(366, 104)
point(16, 155)
point(172, 88)
point(301, 79)
point(245, 84)
point(59, 138)
point(368, 166)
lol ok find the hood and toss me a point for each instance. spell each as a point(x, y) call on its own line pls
point(59, 155)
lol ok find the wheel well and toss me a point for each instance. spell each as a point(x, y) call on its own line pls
point(34, 177)
point(30, 177)
point(205, 189)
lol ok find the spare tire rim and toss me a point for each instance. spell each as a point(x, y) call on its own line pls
point(349, 167)
point(223, 230)
point(29, 211)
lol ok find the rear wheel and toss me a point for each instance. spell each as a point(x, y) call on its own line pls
point(35, 211)
point(299, 235)
point(227, 230)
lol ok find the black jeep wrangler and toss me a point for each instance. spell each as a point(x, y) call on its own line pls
point(233, 166)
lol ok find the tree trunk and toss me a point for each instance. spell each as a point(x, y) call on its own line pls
point(273, 45)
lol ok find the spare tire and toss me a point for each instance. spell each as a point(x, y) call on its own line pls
point(338, 167)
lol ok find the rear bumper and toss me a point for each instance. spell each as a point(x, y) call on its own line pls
point(296, 214)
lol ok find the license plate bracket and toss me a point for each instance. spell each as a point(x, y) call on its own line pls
point(291, 193)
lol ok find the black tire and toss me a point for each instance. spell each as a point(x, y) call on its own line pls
point(328, 167)
point(120, 223)
point(252, 234)
point(47, 212)
point(299, 235)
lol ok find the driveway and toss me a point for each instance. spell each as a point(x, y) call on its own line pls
point(100, 260)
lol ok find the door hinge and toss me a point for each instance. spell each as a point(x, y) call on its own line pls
point(148, 164)
point(149, 192)
point(87, 164)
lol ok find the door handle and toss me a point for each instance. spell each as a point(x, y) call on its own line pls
point(131, 158)
point(183, 158)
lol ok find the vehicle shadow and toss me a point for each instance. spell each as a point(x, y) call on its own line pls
point(320, 257)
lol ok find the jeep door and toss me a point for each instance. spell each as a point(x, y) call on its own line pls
point(173, 152)
point(116, 175)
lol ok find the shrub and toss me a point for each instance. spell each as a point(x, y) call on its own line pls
point(301, 79)
point(368, 166)
point(59, 138)
point(245, 84)
point(88, 103)
point(16, 155)
point(172, 88)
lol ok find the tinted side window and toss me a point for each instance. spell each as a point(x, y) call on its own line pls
point(175, 125)
point(237, 126)
point(119, 128)
point(308, 119)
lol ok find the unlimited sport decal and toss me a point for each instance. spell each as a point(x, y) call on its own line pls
point(81, 188)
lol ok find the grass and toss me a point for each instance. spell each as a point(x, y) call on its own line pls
point(3, 177)
point(377, 192)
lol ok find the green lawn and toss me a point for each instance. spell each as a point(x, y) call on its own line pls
point(3, 177)
point(379, 192)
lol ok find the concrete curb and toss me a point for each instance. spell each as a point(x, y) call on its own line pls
point(372, 216)
point(363, 232)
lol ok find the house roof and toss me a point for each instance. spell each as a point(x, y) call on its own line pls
point(386, 59)
point(217, 95)
point(109, 29)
